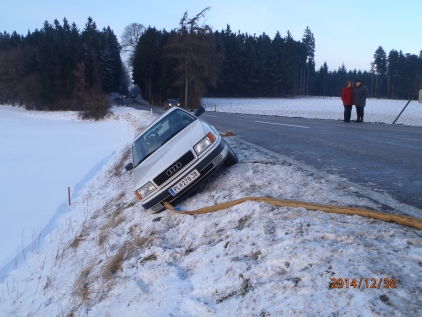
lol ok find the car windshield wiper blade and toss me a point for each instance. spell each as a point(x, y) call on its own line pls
point(171, 136)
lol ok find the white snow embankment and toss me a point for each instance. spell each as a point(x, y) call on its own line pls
point(112, 258)
point(376, 110)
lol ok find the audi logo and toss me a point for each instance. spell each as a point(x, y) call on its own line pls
point(172, 170)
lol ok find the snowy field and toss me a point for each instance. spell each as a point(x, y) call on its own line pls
point(109, 257)
point(376, 110)
point(42, 154)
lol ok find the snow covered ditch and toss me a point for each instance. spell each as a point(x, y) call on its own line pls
point(109, 257)
point(376, 110)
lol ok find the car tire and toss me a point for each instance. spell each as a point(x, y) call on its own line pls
point(232, 159)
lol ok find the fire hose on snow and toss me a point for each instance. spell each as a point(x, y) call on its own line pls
point(401, 219)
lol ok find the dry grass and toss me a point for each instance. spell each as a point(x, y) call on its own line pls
point(115, 263)
point(109, 206)
point(113, 222)
point(75, 242)
point(131, 204)
point(102, 237)
point(81, 284)
point(118, 220)
point(142, 242)
point(81, 236)
point(151, 257)
point(118, 168)
point(132, 230)
point(112, 266)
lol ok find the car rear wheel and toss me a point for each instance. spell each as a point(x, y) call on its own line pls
point(232, 159)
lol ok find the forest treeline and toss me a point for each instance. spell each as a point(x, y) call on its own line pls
point(260, 66)
point(60, 67)
point(245, 65)
point(393, 76)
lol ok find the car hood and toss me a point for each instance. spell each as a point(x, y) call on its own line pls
point(184, 141)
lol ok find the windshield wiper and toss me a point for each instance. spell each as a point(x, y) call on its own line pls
point(170, 137)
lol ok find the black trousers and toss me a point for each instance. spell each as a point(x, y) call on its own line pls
point(359, 112)
point(347, 113)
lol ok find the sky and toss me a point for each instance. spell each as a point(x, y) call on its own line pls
point(345, 32)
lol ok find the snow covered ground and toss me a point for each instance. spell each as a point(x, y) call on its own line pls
point(109, 257)
point(42, 154)
point(376, 110)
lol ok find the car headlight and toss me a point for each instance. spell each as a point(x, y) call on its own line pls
point(145, 190)
point(202, 145)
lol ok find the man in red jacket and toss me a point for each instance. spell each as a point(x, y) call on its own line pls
point(347, 98)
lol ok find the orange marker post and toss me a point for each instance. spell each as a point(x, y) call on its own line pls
point(68, 195)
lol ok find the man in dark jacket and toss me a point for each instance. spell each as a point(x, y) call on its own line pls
point(360, 93)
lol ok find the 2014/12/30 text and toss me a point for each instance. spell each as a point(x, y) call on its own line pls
point(363, 283)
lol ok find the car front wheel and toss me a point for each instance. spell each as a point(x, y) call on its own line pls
point(232, 159)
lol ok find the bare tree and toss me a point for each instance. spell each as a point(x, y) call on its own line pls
point(194, 48)
point(130, 38)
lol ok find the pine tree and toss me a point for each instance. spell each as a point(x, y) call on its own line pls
point(288, 65)
point(380, 68)
point(392, 69)
point(278, 43)
point(146, 63)
point(308, 40)
point(341, 79)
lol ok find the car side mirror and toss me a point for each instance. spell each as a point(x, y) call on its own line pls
point(199, 111)
point(129, 167)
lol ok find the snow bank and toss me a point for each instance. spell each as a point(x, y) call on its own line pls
point(376, 110)
point(110, 257)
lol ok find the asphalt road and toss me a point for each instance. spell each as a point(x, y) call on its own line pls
point(381, 157)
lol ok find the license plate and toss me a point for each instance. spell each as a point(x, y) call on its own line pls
point(184, 182)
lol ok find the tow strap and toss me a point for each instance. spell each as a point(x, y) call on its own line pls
point(403, 220)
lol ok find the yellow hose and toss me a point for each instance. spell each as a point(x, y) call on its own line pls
point(404, 220)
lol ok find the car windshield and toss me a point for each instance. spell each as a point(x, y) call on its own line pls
point(159, 134)
point(172, 101)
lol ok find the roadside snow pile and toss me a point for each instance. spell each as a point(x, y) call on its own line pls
point(112, 258)
point(376, 110)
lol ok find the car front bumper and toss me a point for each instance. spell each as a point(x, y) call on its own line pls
point(206, 167)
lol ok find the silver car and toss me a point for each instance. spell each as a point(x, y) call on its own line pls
point(174, 155)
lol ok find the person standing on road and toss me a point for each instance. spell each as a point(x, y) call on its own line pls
point(360, 93)
point(347, 98)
